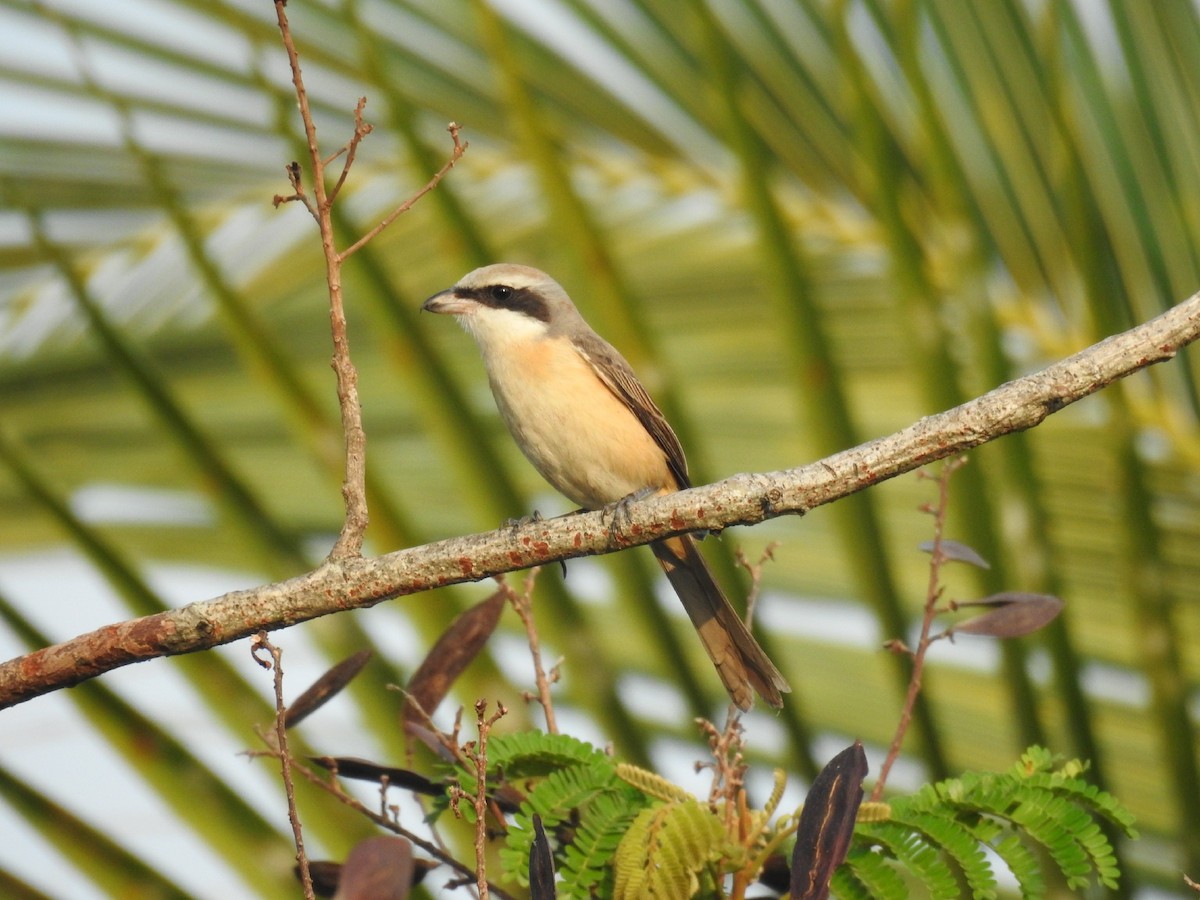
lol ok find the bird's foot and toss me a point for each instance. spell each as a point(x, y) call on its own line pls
point(514, 524)
point(619, 510)
point(535, 516)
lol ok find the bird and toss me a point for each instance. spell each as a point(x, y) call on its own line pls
point(583, 419)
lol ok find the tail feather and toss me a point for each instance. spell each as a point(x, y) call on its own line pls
point(741, 663)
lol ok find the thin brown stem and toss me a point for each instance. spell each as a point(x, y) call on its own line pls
point(361, 130)
point(332, 786)
point(932, 596)
point(755, 571)
point(477, 753)
point(296, 178)
point(354, 492)
point(261, 642)
point(522, 604)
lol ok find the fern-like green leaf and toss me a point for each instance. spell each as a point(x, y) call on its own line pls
point(527, 754)
point(915, 854)
point(1089, 796)
point(1053, 807)
point(1054, 824)
point(567, 789)
point(650, 783)
point(524, 755)
point(665, 850)
point(957, 841)
point(875, 873)
point(556, 798)
point(587, 860)
point(1023, 866)
point(846, 886)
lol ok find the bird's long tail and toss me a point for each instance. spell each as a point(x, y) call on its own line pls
point(740, 661)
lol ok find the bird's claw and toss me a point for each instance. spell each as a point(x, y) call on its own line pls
point(514, 524)
point(619, 511)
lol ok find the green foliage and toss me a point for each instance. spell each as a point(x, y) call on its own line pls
point(666, 850)
point(1007, 813)
point(913, 852)
point(586, 868)
point(624, 832)
point(583, 804)
point(529, 754)
point(873, 875)
point(532, 753)
point(587, 797)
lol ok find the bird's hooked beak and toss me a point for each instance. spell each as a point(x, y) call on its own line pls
point(447, 302)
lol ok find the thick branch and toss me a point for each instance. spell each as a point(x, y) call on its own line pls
point(355, 582)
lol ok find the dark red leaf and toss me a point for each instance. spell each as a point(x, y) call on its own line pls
point(324, 875)
point(379, 868)
point(452, 653)
point(776, 873)
point(541, 864)
point(1011, 615)
point(431, 740)
point(324, 688)
point(365, 770)
point(826, 823)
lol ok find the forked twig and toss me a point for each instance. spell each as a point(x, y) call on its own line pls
point(932, 595)
point(257, 643)
point(354, 492)
point(476, 752)
point(460, 147)
point(522, 604)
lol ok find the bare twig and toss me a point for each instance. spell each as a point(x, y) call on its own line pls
point(361, 130)
point(460, 147)
point(341, 584)
point(755, 571)
point(354, 492)
point(522, 604)
point(728, 765)
point(476, 752)
point(932, 596)
point(728, 795)
point(296, 178)
point(332, 786)
point(261, 642)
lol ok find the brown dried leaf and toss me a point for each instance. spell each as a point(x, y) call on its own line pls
point(325, 688)
point(379, 868)
point(365, 770)
point(826, 823)
point(1011, 615)
point(452, 653)
point(955, 551)
point(325, 874)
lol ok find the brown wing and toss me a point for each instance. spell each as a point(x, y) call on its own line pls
point(612, 369)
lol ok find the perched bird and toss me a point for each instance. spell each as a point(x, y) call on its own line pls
point(578, 412)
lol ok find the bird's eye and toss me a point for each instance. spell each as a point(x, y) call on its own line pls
point(501, 292)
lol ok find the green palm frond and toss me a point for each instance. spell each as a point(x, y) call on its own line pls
point(806, 224)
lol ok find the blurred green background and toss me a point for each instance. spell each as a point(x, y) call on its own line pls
point(805, 223)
